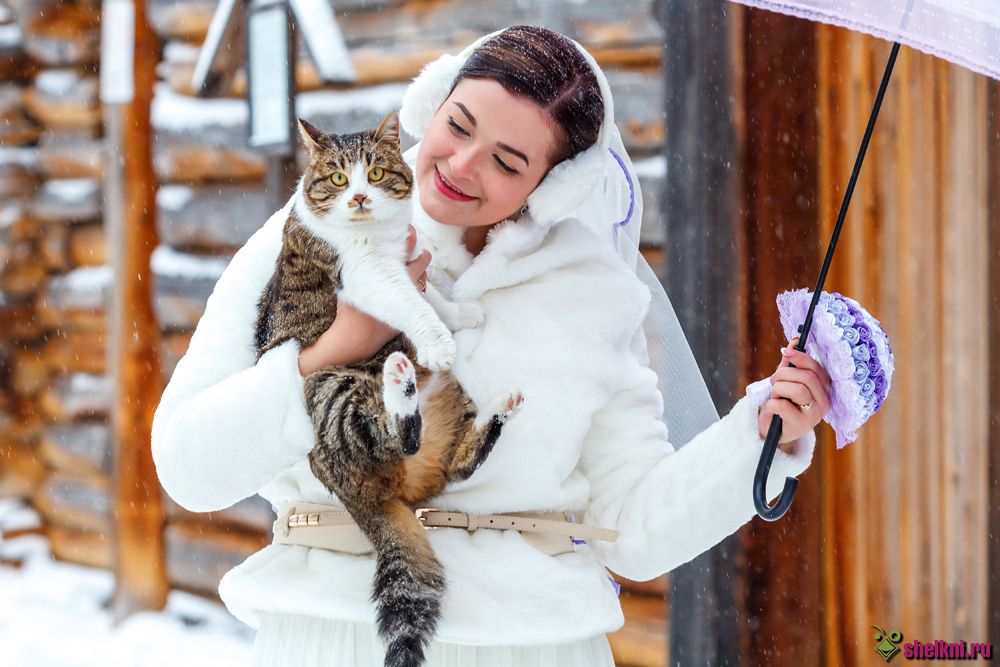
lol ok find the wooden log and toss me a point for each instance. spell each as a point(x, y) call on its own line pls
point(642, 641)
point(216, 217)
point(15, 65)
point(23, 275)
point(84, 547)
point(182, 285)
point(77, 396)
point(76, 299)
point(21, 465)
point(186, 19)
point(63, 34)
point(140, 572)
point(18, 323)
point(173, 346)
point(78, 446)
point(198, 554)
point(64, 99)
point(76, 500)
point(253, 514)
point(88, 246)
point(29, 374)
point(53, 248)
point(78, 351)
point(372, 65)
point(64, 248)
point(68, 200)
point(223, 122)
point(16, 224)
point(70, 154)
point(16, 128)
point(18, 172)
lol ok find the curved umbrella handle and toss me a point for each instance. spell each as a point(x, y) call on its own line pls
point(775, 512)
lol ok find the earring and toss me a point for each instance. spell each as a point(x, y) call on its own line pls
point(524, 209)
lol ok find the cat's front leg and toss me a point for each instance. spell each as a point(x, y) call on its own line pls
point(455, 315)
point(382, 288)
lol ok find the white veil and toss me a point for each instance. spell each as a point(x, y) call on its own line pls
point(615, 208)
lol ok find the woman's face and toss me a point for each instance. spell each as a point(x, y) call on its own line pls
point(483, 153)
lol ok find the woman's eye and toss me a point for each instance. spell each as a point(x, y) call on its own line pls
point(375, 174)
point(504, 166)
point(339, 179)
point(458, 129)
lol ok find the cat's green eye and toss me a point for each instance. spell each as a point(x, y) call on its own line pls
point(375, 174)
point(339, 179)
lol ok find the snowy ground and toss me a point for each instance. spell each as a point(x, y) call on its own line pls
point(51, 616)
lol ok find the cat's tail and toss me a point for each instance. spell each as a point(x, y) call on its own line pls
point(409, 585)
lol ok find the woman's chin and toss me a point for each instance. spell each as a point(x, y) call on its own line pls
point(443, 211)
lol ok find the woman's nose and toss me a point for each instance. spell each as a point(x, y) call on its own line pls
point(462, 163)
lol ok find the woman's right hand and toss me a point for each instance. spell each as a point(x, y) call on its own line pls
point(356, 336)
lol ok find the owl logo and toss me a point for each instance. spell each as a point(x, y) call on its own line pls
point(886, 645)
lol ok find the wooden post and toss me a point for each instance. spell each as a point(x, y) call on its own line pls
point(783, 247)
point(993, 299)
point(702, 278)
point(140, 575)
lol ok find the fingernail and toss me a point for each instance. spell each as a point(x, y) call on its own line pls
point(785, 352)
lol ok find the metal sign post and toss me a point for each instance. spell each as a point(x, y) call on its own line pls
point(271, 93)
point(270, 62)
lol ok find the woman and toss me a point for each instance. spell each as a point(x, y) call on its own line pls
point(511, 133)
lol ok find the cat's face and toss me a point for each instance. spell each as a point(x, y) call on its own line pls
point(488, 144)
point(359, 178)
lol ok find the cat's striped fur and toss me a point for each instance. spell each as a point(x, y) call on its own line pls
point(389, 434)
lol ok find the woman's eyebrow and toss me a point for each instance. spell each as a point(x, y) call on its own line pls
point(472, 119)
point(502, 146)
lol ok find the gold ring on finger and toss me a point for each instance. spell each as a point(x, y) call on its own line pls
point(806, 407)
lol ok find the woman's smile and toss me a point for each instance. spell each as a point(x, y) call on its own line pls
point(447, 189)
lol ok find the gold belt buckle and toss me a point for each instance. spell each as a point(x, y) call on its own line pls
point(421, 512)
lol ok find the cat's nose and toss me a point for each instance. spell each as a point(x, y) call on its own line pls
point(360, 197)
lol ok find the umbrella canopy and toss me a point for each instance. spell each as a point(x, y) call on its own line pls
point(965, 32)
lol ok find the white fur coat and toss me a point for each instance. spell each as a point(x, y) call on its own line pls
point(560, 312)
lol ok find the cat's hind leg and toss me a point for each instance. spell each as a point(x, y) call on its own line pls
point(401, 400)
point(482, 435)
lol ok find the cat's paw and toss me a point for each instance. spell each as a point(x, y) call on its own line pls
point(470, 315)
point(399, 386)
point(504, 407)
point(437, 356)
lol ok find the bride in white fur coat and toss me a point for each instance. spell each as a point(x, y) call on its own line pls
point(509, 133)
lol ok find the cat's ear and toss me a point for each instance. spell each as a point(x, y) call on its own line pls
point(312, 137)
point(388, 130)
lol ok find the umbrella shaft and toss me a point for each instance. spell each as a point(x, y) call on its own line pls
point(804, 333)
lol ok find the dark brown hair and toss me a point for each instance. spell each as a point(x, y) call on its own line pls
point(547, 68)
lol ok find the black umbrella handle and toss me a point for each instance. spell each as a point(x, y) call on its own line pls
point(769, 512)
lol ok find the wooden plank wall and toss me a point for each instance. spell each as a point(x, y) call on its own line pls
point(905, 507)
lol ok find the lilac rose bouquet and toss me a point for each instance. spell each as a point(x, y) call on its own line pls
point(851, 345)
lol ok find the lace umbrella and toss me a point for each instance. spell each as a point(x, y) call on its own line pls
point(966, 32)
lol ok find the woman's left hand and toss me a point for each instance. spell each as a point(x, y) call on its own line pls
point(800, 396)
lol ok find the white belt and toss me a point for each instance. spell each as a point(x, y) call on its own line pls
point(328, 527)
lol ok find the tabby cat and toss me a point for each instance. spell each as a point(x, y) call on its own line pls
point(389, 434)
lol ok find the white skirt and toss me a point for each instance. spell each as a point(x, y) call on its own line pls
point(302, 641)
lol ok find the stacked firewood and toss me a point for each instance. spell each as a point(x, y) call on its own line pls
point(53, 433)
